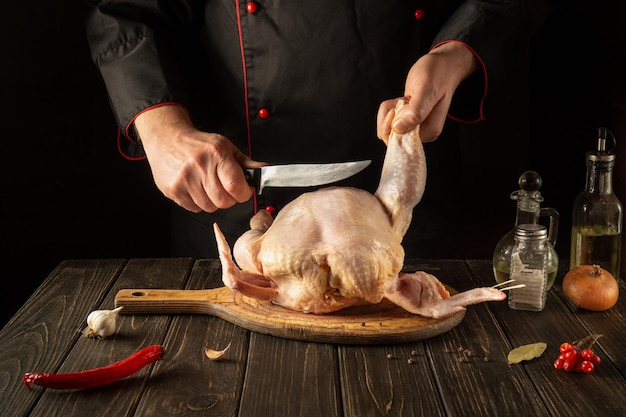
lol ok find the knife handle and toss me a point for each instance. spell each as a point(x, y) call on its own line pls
point(253, 177)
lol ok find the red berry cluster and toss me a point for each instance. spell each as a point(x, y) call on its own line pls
point(575, 357)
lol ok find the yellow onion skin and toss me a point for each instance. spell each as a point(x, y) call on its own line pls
point(591, 288)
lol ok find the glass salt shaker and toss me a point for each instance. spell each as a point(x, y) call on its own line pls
point(529, 266)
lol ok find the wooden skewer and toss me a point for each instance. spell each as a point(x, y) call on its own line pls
point(512, 287)
point(503, 283)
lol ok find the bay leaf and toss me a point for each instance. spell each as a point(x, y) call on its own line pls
point(526, 352)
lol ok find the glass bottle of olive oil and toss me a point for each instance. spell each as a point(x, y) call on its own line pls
point(597, 212)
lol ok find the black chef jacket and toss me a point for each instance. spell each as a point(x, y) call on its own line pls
point(296, 82)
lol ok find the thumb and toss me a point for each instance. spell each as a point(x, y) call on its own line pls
point(406, 119)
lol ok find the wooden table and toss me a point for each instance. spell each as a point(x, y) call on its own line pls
point(462, 372)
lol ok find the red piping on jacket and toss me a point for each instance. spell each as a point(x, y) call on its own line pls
point(121, 151)
point(481, 117)
point(245, 89)
point(129, 137)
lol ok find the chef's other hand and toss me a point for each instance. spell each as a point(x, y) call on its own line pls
point(197, 170)
point(429, 88)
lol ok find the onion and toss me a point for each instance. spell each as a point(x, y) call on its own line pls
point(590, 287)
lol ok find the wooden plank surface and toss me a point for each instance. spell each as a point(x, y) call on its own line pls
point(560, 391)
point(463, 372)
point(43, 333)
point(134, 333)
point(290, 378)
point(470, 362)
point(391, 379)
point(187, 382)
point(388, 380)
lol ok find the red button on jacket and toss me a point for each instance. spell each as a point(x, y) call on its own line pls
point(264, 113)
point(251, 7)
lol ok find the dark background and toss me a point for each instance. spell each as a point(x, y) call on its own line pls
point(66, 193)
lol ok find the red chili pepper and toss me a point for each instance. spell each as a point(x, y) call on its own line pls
point(98, 376)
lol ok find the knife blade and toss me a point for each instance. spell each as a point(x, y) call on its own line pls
point(302, 175)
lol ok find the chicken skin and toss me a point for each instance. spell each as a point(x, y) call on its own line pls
point(341, 246)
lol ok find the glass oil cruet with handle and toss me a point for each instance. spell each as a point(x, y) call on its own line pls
point(529, 211)
point(530, 258)
point(597, 212)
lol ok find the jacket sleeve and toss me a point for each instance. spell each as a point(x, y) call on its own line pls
point(497, 32)
point(137, 56)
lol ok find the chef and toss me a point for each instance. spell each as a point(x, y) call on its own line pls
point(204, 88)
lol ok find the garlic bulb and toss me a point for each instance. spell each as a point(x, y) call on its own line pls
point(101, 323)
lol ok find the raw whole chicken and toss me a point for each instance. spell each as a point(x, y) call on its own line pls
point(340, 246)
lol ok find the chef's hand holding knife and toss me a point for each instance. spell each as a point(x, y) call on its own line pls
point(199, 171)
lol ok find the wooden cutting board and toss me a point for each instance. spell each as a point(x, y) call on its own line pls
point(367, 324)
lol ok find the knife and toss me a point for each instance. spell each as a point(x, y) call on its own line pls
point(302, 175)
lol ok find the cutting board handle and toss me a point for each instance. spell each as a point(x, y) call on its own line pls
point(152, 301)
